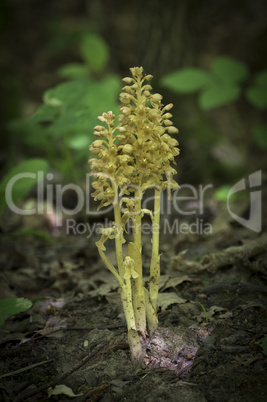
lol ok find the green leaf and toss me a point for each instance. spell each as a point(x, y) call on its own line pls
point(68, 122)
point(261, 79)
point(260, 135)
point(81, 101)
point(67, 94)
point(13, 305)
point(257, 93)
point(79, 142)
point(186, 80)
point(229, 70)
point(73, 71)
point(221, 194)
point(35, 233)
point(103, 95)
point(44, 113)
point(218, 96)
point(94, 51)
point(21, 186)
point(257, 96)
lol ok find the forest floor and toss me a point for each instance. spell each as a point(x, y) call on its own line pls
point(211, 344)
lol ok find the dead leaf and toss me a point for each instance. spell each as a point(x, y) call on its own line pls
point(213, 313)
point(61, 390)
point(114, 298)
point(105, 288)
point(167, 299)
point(174, 281)
point(53, 324)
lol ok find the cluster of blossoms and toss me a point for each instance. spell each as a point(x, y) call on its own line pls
point(138, 152)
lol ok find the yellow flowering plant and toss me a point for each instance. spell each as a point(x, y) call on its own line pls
point(127, 159)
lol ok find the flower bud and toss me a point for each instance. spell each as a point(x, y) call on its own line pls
point(172, 130)
point(121, 129)
point(125, 110)
point(168, 122)
point(97, 143)
point(124, 158)
point(120, 137)
point(128, 89)
point(167, 116)
point(148, 77)
point(98, 133)
point(147, 87)
point(147, 94)
point(128, 80)
point(172, 142)
point(124, 98)
point(127, 149)
point(156, 98)
point(99, 128)
point(168, 107)
point(137, 71)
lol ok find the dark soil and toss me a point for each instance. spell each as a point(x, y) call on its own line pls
point(212, 320)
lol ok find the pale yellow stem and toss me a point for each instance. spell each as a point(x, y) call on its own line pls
point(135, 345)
point(110, 266)
point(133, 337)
point(155, 266)
point(152, 319)
point(127, 301)
point(119, 238)
point(126, 290)
point(135, 252)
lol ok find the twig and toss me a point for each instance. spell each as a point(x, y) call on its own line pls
point(26, 368)
point(230, 256)
point(73, 329)
point(63, 376)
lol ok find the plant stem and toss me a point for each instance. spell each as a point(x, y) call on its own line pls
point(126, 290)
point(135, 252)
point(154, 265)
point(152, 319)
point(133, 338)
point(119, 238)
point(110, 266)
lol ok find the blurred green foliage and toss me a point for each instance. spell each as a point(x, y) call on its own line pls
point(13, 305)
point(65, 121)
point(95, 52)
point(257, 93)
point(223, 85)
point(61, 129)
point(260, 135)
point(21, 185)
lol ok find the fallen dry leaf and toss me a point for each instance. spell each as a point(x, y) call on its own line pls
point(167, 299)
point(61, 390)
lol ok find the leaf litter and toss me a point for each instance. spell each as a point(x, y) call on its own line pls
point(212, 323)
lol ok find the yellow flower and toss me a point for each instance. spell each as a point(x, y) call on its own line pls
point(137, 152)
